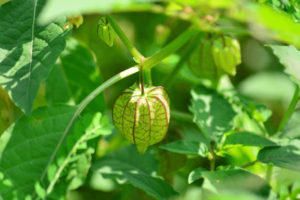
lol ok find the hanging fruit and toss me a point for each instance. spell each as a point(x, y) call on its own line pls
point(226, 52)
point(201, 62)
point(142, 115)
point(106, 32)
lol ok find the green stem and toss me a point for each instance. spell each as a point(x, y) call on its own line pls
point(190, 49)
point(213, 157)
point(85, 102)
point(147, 75)
point(67, 159)
point(135, 53)
point(269, 173)
point(182, 116)
point(170, 49)
point(290, 109)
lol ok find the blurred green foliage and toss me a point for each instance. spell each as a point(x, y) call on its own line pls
point(227, 126)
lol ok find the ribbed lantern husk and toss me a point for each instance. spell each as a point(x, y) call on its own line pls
point(142, 119)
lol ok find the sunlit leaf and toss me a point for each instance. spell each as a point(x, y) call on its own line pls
point(126, 164)
point(284, 156)
point(72, 79)
point(212, 112)
point(28, 147)
point(232, 178)
point(27, 51)
point(267, 22)
point(292, 128)
point(246, 139)
point(187, 147)
point(289, 56)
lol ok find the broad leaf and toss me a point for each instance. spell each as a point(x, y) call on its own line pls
point(57, 8)
point(232, 178)
point(126, 164)
point(284, 156)
point(77, 159)
point(76, 76)
point(289, 56)
point(264, 19)
point(246, 139)
point(27, 51)
point(187, 147)
point(212, 112)
point(28, 147)
point(170, 162)
point(292, 128)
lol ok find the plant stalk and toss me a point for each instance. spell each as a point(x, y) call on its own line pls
point(135, 53)
point(170, 49)
point(289, 110)
point(213, 156)
point(86, 101)
point(269, 173)
point(190, 49)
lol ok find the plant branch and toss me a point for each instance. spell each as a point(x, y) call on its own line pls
point(182, 116)
point(289, 110)
point(213, 157)
point(170, 49)
point(85, 102)
point(190, 49)
point(269, 173)
point(67, 159)
point(135, 53)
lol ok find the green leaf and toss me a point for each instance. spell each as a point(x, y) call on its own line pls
point(84, 129)
point(28, 147)
point(126, 164)
point(285, 156)
point(232, 178)
point(263, 18)
point(246, 139)
point(292, 128)
point(153, 186)
point(187, 147)
point(213, 114)
point(289, 56)
point(57, 8)
point(27, 51)
point(74, 78)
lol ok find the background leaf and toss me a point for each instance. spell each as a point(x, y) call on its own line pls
point(231, 178)
point(56, 8)
point(246, 139)
point(27, 51)
point(126, 164)
point(28, 146)
point(289, 56)
point(284, 156)
point(292, 128)
point(187, 147)
point(72, 79)
point(212, 112)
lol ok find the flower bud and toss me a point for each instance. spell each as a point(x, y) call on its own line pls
point(142, 119)
point(76, 20)
point(226, 52)
point(106, 31)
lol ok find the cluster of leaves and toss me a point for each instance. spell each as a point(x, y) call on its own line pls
point(44, 155)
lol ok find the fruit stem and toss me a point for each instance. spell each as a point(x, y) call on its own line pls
point(135, 53)
point(223, 39)
point(290, 109)
point(189, 50)
point(141, 75)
